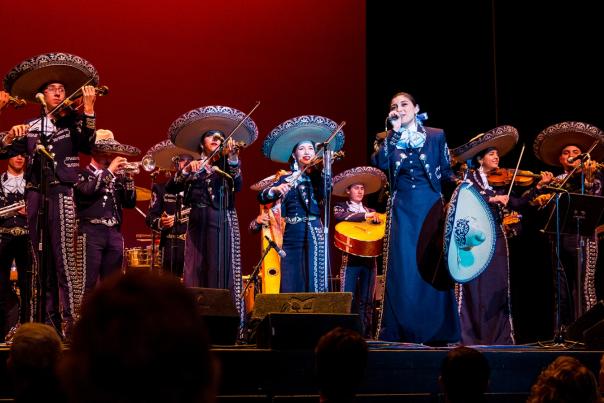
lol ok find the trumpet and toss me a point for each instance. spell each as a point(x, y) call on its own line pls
point(132, 168)
point(11, 209)
point(16, 102)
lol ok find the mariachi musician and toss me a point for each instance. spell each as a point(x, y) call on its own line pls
point(303, 269)
point(167, 213)
point(565, 145)
point(212, 247)
point(52, 144)
point(103, 189)
point(476, 246)
point(270, 225)
point(359, 267)
point(15, 245)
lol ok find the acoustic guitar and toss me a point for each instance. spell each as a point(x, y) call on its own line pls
point(361, 238)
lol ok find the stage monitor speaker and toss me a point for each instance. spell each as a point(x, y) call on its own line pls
point(301, 331)
point(589, 328)
point(302, 302)
point(216, 307)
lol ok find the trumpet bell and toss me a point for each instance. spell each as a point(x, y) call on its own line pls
point(148, 163)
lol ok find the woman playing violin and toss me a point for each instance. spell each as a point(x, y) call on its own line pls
point(484, 303)
point(303, 269)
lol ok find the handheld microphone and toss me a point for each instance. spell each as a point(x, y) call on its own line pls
point(276, 247)
point(40, 99)
point(221, 172)
point(580, 157)
point(40, 149)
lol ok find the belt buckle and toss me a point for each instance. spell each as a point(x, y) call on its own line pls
point(17, 231)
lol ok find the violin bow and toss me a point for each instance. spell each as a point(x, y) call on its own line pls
point(516, 170)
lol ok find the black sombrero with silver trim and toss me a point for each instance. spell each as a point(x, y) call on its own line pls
point(278, 145)
point(372, 178)
point(106, 143)
point(26, 79)
point(550, 142)
point(503, 138)
point(164, 152)
point(186, 131)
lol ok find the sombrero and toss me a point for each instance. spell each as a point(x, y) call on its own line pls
point(26, 78)
point(269, 180)
point(278, 145)
point(503, 138)
point(373, 179)
point(106, 143)
point(186, 131)
point(469, 242)
point(163, 152)
point(549, 143)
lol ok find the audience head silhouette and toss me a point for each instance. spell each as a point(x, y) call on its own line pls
point(465, 375)
point(565, 380)
point(340, 361)
point(139, 339)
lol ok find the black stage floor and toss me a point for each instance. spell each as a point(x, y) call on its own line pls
point(397, 372)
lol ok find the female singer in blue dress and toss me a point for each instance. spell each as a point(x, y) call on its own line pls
point(416, 160)
point(303, 269)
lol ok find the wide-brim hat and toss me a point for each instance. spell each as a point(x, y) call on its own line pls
point(372, 178)
point(503, 138)
point(278, 145)
point(469, 243)
point(268, 181)
point(186, 131)
point(106, 143)
point(549, 143)
point(25, 79)
point(164, 151)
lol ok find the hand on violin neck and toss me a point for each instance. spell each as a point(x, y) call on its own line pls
point(88, 96)
point(500, 199)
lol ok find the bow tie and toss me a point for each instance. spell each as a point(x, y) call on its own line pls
point(411, 139)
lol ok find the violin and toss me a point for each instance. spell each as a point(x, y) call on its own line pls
point(503, 176)
point(67, 107)
point(294, 178)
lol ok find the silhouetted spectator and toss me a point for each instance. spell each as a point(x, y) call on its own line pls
point(464, 375)
point(340, 361)
point(32, 362)
point(139, 339)
point(565, 380)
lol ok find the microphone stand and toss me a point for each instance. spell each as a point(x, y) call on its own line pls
point(254, 275)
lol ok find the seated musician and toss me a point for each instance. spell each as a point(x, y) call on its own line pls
point(484, 300)
point(564, 145)
point(357, 272)
point(103, 189)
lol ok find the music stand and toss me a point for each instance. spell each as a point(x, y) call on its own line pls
point(578, 215)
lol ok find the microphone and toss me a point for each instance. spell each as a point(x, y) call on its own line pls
point(40, 149)
point(392, 117)
point(580, 157)
point(40, 99)
point(221, 172)
point(175, 159)
point(276, 247)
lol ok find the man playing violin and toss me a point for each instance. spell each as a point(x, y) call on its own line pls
point(103, 189)
point(565, 145)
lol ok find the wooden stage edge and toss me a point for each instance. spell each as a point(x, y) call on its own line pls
point(395, 372)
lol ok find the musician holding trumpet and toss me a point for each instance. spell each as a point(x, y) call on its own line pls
point(104, 187)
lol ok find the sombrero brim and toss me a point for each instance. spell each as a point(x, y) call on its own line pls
point(113, 147)
point(26, 79)
point(466, 265)
point(186, 131)
point(279, 144)
point(503, 138)
point(372, 178)
point(266, 182)
point(549, 143)
point(163, 152)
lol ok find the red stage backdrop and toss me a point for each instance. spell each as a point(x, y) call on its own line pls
point(161, 59)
